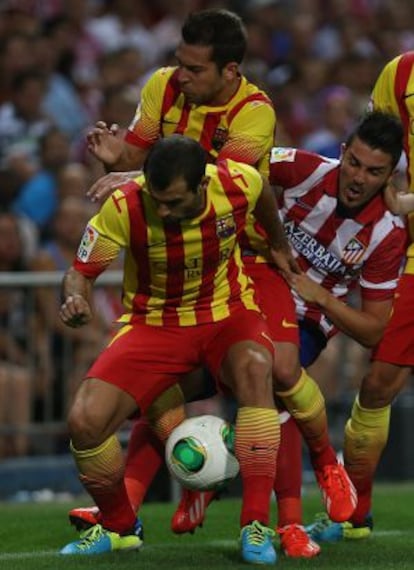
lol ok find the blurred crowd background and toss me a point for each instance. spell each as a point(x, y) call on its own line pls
point(64, 64)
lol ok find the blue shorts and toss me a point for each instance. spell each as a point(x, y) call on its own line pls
point(312, 342)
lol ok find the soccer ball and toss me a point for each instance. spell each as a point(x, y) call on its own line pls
point(199, 453)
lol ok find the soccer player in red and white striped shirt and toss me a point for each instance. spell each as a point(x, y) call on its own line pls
point(367, 430)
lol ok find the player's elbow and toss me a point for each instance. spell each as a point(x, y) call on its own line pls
point(372, 337)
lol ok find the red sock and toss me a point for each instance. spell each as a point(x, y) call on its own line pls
point(144, 458)
point(288, 482)
point(116, 511)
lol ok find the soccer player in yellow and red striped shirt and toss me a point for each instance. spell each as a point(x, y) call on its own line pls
point(188, 303)
point(367, 430)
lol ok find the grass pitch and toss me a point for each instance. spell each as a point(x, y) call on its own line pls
point(31, 535)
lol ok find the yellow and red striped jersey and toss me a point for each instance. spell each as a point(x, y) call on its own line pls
point(243, 129)
point(183, 273)
point(394, 93)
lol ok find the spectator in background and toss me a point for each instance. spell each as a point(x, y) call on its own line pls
point(61, 100)
point(79, 346)
point(16, 380)
point(22, 119)
point(37, 198)
point(123, 25)
point(337, 120)
point(73, 178)
point(167, 31)
point(16, 56)
point(79, 50)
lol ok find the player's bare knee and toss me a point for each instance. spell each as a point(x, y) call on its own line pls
point(286, 373)
point(376, 392)
point(255, 380)
point(85, 432)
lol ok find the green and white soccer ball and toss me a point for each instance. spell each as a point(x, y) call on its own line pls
point(200, 453)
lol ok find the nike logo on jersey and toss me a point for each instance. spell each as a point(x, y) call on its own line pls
point(408, 95)
point(288, 325)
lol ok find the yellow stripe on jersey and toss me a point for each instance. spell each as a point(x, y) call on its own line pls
point(384, 98)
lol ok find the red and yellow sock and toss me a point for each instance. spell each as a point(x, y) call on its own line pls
point(146, 445)
point(256, 445)
point(306, 404)
point(167, 412)
point(101, 471)
point(366, 434)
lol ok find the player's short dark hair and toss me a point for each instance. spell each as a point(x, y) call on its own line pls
point(174, 157)
point(223, 30)
point(382, 131)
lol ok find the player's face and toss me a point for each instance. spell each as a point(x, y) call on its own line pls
point(199, 78)
point(364, 172)
point(177, 202)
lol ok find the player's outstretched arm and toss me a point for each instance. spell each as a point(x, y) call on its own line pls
point(75, 310)
point(365, 324)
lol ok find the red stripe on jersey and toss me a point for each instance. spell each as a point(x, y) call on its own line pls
point(171, 93)
point(175, 272)
point(401, 80)
point(210, 249)
point(138, 244)
point(282, 174)
point(254, 97)
point(211, 123)
point(183, 122)
point(135, 140)
point(233, 192)
point(239, 203)
point(305, 203)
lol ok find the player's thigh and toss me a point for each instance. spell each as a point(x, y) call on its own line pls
point(241, 355)
point(145, 360)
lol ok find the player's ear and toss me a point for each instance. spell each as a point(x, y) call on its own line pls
point(343, 149)
point(230, 71)
point(204, 183)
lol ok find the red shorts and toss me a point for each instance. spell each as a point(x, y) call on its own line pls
point(145, 360)
point(276, 301)
point(397, 343)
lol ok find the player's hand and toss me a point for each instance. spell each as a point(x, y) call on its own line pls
point(75, 311)
point(398, 197)
point(286, 263)
point(106, 143)
point(104, 187)
point(309, 290)
point(391, 193)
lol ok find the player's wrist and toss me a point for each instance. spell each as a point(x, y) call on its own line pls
point(323, 299)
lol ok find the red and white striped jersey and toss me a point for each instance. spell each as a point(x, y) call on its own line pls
point(335, 251)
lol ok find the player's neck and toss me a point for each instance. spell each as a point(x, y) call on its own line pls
point(227, 93)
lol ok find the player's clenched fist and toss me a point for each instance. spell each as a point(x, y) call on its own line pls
point(75, 311)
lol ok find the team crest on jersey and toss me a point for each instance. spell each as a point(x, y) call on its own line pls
point(282, 154)
point(225, 227)
point(90, 235)
point(220, 136)
point(353, 252)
